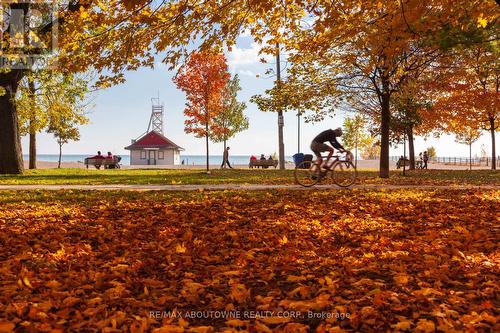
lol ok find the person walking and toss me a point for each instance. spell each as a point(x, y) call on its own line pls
point(426, 159)
point(225, 159)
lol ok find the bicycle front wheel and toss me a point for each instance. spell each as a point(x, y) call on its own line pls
point(344, 173)
point(305, 176)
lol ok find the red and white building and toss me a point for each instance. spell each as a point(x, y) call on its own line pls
point(154, 148)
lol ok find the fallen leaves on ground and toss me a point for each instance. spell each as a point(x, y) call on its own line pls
point(290, 261)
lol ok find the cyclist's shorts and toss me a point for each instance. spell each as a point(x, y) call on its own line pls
point(318, 148)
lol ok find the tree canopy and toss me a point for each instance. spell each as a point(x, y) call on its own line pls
point(231, 118)
point(204, 78)
point(363, 49)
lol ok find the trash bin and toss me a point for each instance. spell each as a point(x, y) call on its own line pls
point(308, 158)
point(298, 158)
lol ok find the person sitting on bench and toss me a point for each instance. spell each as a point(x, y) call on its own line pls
point(99, 155)
point(263, 158)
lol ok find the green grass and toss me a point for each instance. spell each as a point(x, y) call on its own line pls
point(437, 177)
point(238, 176)
point(147, 176)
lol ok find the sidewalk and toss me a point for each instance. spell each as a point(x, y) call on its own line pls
point(222, 187)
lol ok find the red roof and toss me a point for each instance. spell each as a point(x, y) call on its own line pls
point(153, 140)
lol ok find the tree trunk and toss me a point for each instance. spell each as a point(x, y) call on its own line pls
point(470, 156)
point(206, 142)
point(11, 158)
point(224, 161)
point(32, 131)
point(60, 156)
point(493, 147)
point(32, 157)
point(356, 152)
point(384, 136)
point(207, 119)
point(411, 147)
point(404, 153)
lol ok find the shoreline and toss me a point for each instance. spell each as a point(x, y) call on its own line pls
point(362, 164)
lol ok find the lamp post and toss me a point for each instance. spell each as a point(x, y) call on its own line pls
point(298, 132)
point(281, 123)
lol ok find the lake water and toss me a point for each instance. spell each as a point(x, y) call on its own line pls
point(188, 159)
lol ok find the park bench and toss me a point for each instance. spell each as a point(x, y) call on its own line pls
point(108, 163)
point(263, 163)
point(400, 163)
point(418, 164)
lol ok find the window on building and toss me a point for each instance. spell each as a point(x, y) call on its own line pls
point(161, 155)
point(143, 154)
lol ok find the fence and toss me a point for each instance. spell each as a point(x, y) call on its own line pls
point(478, 161)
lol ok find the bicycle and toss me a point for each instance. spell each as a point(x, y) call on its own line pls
point(343, 171)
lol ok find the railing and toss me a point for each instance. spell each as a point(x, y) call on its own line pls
point(478, 161)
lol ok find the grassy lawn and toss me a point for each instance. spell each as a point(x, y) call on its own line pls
point(239, 176)
point(283, 261)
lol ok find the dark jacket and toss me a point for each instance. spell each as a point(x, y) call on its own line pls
point(330, 136)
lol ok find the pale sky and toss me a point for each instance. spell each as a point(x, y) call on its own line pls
point(121, 113)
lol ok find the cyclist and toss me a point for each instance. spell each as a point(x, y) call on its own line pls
point(318, 144)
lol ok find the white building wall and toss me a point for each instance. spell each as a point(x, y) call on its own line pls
point(177, 157)
point(170, 157)
point(135, 158)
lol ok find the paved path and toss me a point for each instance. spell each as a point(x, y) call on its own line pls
point(220, 187)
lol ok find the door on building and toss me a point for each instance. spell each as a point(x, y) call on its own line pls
point(152, 157)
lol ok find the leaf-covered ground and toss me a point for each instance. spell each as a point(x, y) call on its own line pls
point(238, 176)
point(290, 261)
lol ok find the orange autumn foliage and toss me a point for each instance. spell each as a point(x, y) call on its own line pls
point(467, 89)
point(465, 92)
point(203, 78)
point(405, 260)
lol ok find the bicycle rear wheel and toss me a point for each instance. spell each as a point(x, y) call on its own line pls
point(305, 176)
point(344, 173)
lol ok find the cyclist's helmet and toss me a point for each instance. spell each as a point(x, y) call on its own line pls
point(338, 130)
